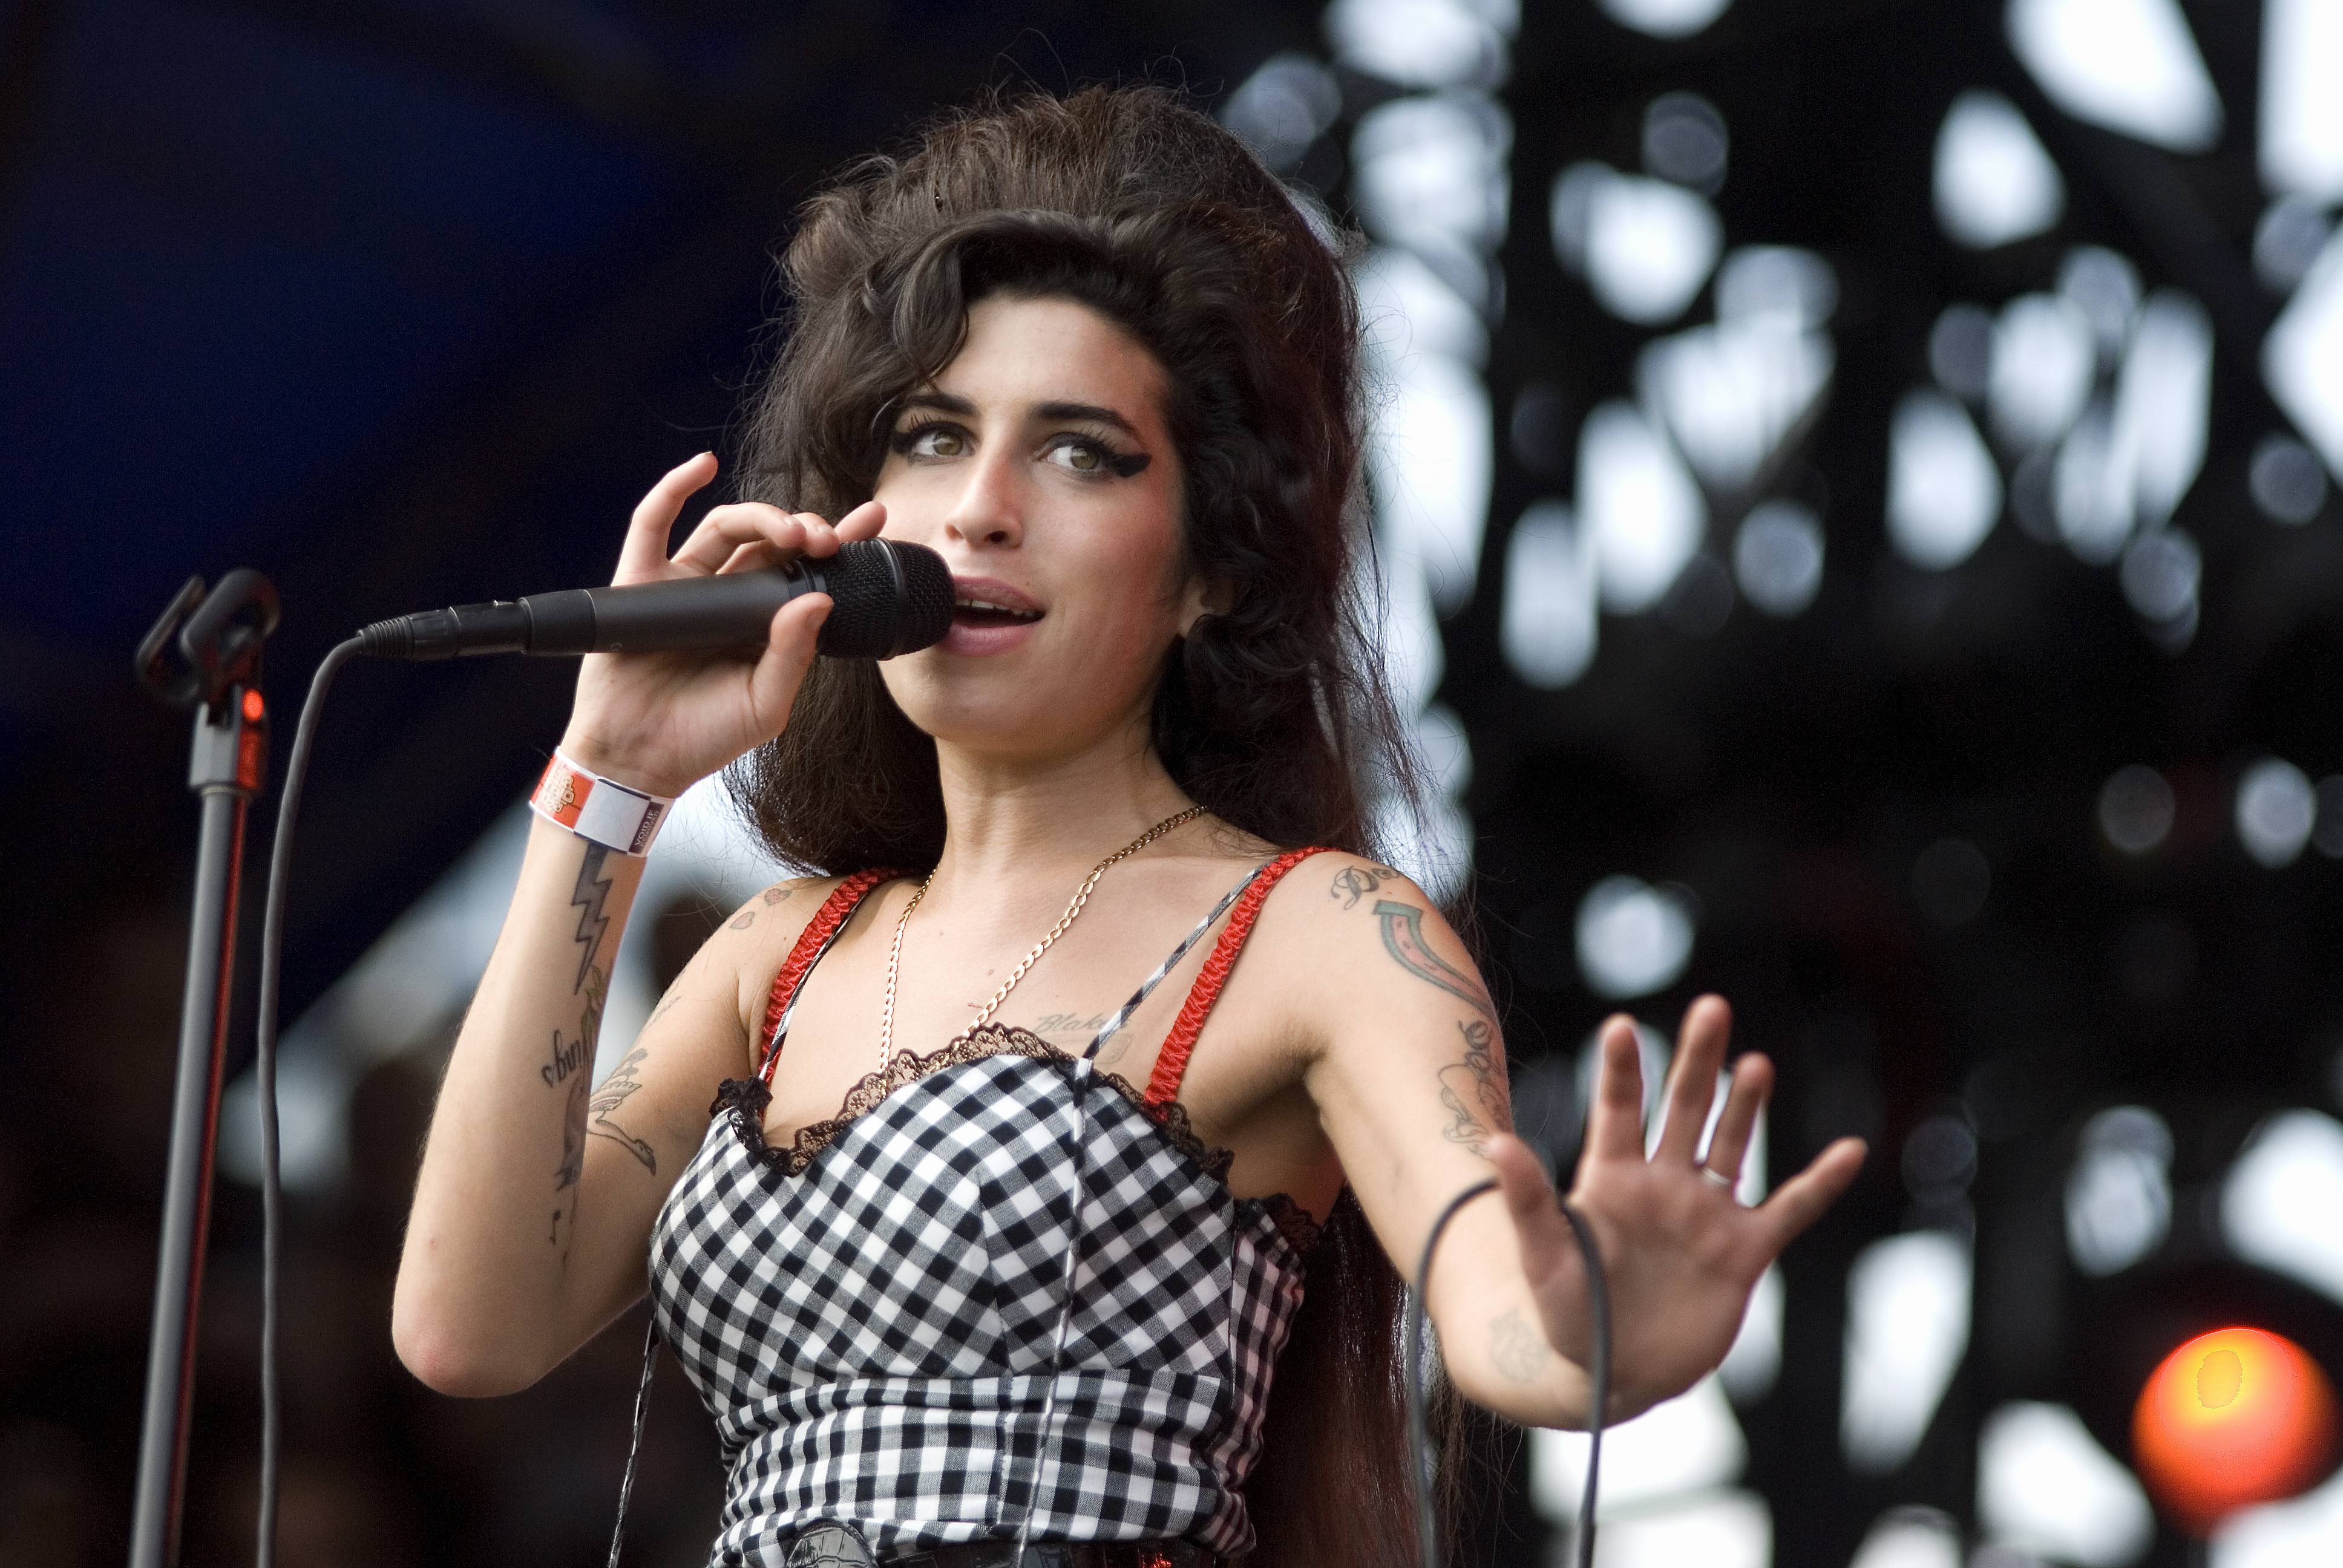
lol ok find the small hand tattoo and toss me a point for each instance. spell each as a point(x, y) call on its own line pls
point(1352, 883)
point(1517, 1350)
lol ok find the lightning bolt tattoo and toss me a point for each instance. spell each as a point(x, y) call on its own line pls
point(593, 889)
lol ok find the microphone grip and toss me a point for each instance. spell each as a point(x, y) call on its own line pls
point(733, 611)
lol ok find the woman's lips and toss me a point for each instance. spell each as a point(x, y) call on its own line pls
point(970, 637)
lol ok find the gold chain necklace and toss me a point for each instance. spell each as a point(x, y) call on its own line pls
point(1073, 909)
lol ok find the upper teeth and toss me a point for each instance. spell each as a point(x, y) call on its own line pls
point(987, 604)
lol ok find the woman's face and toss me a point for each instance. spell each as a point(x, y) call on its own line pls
point(1038, 465)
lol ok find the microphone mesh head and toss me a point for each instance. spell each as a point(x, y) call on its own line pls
point(890, 597)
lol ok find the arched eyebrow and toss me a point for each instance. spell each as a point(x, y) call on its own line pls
point(960, 407)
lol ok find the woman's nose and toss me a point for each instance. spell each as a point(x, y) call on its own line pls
point(990, 508)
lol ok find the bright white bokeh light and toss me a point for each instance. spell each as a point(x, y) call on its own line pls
point(1728, 1529)
point(2043, 366)
point(1633, 938)
point(2281, 1199)
point(1944, 492)
point(2046, 1486)
point(1413, 656)
point(2304, 1531)
point(2164, 399)
point(2131, 66)
point(2287, 481)
point(1429, 455)
point(1907, 1326)
point(1686, 1444)
point(2120, 1193)
point(2301, 110)
point(1910, 1538)
point(1549, 625)
point(1732, 394)
point(1283, 106)
point(1428, 172)
point(2287, 239)
point(1424, 43)
point(1644, 246)
point(1779, 283)
point(1777, 557)
point(2276, 808)
point(2104, 285)
point(1994, 184)
point(2302, 358)
point(2161, 573)
point(1665, 19)
point(1639, 505)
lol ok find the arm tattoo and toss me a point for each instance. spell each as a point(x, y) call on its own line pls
point(588, 897)
point(613, 1094)
point(1474, 1090)
point(1352, 883)
point(779, 893)
point(1404, 940)
point(1519, 1350)
point(574, 1064)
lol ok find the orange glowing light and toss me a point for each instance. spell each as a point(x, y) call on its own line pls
point(253, 707)
point(2231, 1419)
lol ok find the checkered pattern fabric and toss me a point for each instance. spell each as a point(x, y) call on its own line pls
point(872, 1319)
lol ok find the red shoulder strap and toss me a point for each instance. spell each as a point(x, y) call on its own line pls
point(816, 937)
point(1171, 1061)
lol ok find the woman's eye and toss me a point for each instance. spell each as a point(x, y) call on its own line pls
point(931, 441)
point(1080, 457)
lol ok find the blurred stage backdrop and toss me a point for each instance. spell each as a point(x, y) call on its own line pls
point(1854, 480)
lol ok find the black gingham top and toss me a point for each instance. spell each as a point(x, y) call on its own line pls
point(898, 1325)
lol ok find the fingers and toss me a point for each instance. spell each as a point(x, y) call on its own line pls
point(643, 554)
point(1615, 1123)
point(1753, 1078)
point(1803, 1197)
point(780, 668)
point(863, 522)
point(1544, 1236)
point(728, 529)
point(1692, 1082)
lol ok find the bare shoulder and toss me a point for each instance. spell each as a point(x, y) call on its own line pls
point(1363, 937)
point(740, 958)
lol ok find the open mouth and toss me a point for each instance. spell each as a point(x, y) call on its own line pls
point(966, 611)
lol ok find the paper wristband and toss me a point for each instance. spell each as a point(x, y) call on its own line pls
point(599, 809)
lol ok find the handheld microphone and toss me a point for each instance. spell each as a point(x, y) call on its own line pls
point(890, 598)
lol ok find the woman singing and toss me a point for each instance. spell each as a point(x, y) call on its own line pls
point(1068, 1123)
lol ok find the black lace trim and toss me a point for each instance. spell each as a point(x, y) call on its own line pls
point(745, 1099)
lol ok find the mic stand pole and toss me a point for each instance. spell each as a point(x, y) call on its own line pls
point(216, 674)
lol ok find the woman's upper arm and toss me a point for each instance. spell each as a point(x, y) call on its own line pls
point(1406, 1063)
point(649, 1114)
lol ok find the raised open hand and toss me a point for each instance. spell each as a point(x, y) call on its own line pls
point(661, 720)
point(1680, 1252)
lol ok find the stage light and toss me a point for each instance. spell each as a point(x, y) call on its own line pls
point(1731, 394)
point(2303, 1532)
point(1665, 19)
point(2128, 64)
point(1644, 246)
point(2302, 358)
point(1642, 512)
point(1910, 1538)
point(1944, 492)
point(1679, 1447)
point(1633, 938)
point(1684, 140)
point(1755, 1360)
point(2287, 482)
point(1549, 625)
point(2164, 399)
point(2091, 489)
point(2119, 1194)
point(1993, 183)
point(2230, 1419)
point(1777, 557)
point(2160, 574)
point(1424, 43)
point(2046, 1486)
point(2301, 117)
point(2287, 240)
point(2136, 808)
point(2275, 809)
point(1776, 285)
point(1430, 462)
point(2105, 286)
point(1284, 107)
point(2280, 1201)
point(1960, 351)
point(2044, 363)
point(1429, 171)
point(1907, 1325)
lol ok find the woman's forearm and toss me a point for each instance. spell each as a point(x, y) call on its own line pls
point(486, 1300)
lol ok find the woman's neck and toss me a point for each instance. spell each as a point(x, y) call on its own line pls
point(1016, 820)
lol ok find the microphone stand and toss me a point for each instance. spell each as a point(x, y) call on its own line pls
point(216, 674)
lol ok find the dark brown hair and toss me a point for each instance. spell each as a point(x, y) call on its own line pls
point(1271, 714)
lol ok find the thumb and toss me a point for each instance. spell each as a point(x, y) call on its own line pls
point(789, 653)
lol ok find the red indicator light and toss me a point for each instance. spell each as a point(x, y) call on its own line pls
point(253, 705)
point(2231, 1419)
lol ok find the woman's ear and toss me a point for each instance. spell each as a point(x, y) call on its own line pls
point(1203, 599)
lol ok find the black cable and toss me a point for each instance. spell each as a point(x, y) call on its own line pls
point(1421, 1465)
point(272, 1194)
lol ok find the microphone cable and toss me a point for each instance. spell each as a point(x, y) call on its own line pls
point(1421, 1461)
point(263, 1066)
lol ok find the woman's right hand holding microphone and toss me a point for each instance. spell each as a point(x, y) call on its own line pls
point(660, 722)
